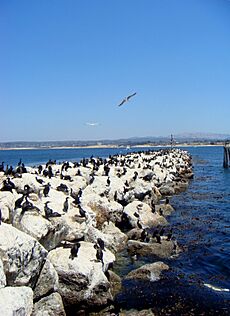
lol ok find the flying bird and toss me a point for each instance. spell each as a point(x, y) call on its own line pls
point(92, 123)
point(127, 99)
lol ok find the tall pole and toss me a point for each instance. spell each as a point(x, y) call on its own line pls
point(171, 141)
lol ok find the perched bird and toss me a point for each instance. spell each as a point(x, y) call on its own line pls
point(18, 202)
point(127, 99)
point(46, 189)
point(49, 212)
point(99, 255)
point(81, 211)
point(39, 180)
point(66, 205)
point(139, 224)
point(144, 236)
point(101, 243)
point(74, 250)
point(10, 183)
point(157, 236)
point(6, 187)
point(160, 212)
point(26, 206)
point(136, 214)
point(63, 188)
point(169, 235)
point(167, 201)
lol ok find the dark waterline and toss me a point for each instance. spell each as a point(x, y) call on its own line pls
point(201, 224)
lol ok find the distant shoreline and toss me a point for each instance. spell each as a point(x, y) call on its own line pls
point(113, 146)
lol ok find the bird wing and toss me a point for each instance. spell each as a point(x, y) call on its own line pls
point(122, 102)
point(130, 96)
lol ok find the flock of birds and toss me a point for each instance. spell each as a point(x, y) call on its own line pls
point(25, 204)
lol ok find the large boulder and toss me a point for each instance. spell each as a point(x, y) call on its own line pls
point(2, 275)
point(51, 305)
point(48, 232)
point(16, 301)
point(164, 209)
point(82, 279)
point(7, 201)
point(150, 272)
point(113, 238)
point(22, 256)
point(141, 213)
point(47, 281)
point(164, 250)
point(104, 209)
point(31, 223)
point(167, 189)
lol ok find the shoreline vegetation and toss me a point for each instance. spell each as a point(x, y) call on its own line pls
point(145, 145)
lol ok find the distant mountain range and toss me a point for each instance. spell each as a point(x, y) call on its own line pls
point(155, 140)
point(204, 136)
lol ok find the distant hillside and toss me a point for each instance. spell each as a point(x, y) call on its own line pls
point(153, 140)
point(202, 136)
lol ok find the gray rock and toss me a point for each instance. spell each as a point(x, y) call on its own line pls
point(166, 209)
point(16, 301)
point(167, 189)
point(22, 256)
point(115, 282)
point(51, 305)
point(163, 250)
point(47, 281)
point(2, 275)
point(82, 278)
point(149, 272)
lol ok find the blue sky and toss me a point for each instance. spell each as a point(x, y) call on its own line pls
point(66, 63)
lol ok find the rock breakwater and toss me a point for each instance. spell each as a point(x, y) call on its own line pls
point(62, 226)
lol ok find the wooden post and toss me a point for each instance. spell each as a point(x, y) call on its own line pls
point(226, 162)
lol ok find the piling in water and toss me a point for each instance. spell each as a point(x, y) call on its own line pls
point(226, 163)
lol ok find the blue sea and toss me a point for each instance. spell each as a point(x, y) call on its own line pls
point(201, 225)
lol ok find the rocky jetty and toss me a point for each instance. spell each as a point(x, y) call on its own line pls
point(62, 225)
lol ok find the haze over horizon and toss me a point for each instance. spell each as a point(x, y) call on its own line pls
point(65, 67)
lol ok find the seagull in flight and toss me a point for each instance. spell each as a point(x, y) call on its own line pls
point(127, 99)
point(92, 123)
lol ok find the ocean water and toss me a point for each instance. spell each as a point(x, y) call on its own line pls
point(198, 282)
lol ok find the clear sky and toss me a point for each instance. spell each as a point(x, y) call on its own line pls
point(64, 63)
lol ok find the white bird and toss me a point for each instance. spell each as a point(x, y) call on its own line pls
point(127, 99)
point(92, 123)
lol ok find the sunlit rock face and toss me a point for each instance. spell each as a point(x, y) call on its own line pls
point(16, 300)
point(22, 256)
point(82, 278)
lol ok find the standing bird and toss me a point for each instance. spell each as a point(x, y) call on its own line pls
point(46, 189)
point(74, 250)
point(127, 99)
point(18, 202)
point(99, 255)
point(66, 205)
point(82, 212)
point(169, 235)
point(101, 243)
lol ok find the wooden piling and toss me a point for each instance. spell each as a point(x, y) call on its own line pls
point(226, 163)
